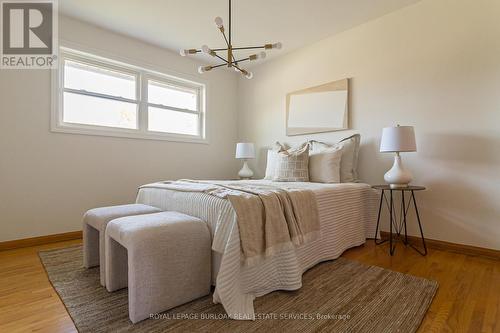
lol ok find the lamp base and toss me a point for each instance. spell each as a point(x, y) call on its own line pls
point(245, 172)
point(398, 176)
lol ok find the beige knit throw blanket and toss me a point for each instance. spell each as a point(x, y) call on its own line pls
point(270, 219)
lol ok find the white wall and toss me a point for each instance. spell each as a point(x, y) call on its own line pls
point(48, 180)
point(434, 65)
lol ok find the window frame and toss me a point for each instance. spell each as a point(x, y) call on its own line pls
point(199, 101)
point(143, 74)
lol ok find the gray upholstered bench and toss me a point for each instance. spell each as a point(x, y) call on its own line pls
point(163, 258)
point(94, 225)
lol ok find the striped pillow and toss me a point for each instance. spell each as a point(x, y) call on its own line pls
point(293, 165)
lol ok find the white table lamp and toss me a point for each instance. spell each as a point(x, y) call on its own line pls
point(245, 151)
point(397, 140)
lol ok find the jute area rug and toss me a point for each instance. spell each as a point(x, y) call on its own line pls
point(337, 296)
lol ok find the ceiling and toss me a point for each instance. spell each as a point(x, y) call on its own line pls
point(176, 24)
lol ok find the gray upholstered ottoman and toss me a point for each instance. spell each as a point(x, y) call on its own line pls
point(94, 225)
point(164, 258)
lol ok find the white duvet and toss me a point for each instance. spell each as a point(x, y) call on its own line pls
point(347, 217)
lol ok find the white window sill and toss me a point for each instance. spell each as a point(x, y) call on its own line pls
point(125, 133)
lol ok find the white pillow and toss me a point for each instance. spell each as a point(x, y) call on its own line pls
point(272, 156)
point(349, 161)
point(324, 166)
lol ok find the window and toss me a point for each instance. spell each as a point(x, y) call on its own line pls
point(172, 109)
point(99, 96)
point(104, 97)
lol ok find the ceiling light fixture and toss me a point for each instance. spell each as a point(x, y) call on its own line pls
point(230, 61)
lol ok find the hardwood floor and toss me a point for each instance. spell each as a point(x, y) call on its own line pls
point(468, 299)
point(28, 303)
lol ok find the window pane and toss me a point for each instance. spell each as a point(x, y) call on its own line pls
point(161, 120)
point(159, 93)
point(81, 109)
point(99, 80)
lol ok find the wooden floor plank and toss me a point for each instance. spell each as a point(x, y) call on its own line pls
point(491, 322)
point(28, 303)
point(468, 298)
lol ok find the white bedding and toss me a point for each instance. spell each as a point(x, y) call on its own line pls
point(347, 217)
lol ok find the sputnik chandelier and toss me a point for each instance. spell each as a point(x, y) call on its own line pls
point(231, 61)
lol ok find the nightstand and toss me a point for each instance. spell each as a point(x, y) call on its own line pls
point(399, 223)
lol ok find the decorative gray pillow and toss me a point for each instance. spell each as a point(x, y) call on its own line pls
point(293, 165)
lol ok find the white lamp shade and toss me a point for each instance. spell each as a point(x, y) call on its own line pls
point(398, 139)
point(245, 150)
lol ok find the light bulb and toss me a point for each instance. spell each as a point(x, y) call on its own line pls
point(206, 49)
point(183, 52)
point(218, 22)
point(203, 69)
point(277, 45)
point(260, 55)
point(249, 75)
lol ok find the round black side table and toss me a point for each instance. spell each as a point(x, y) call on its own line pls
point(400, 223)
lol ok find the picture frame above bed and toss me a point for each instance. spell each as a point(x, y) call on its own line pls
point(323, 108)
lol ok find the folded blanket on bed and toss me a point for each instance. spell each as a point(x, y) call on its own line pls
point(270, 219)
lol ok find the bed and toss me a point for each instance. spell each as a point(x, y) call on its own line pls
point(347, 214)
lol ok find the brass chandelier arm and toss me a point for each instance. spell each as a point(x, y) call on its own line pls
point(221, 58)
point(225, 38)
point(241, 60)
point(241, 70)
point(220, 65)
point(251, 47)
point(235, 63)
point(216, 66)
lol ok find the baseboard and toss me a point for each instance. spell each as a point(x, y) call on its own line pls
point(431, 243)
point(451, 247)
point(41, 240)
